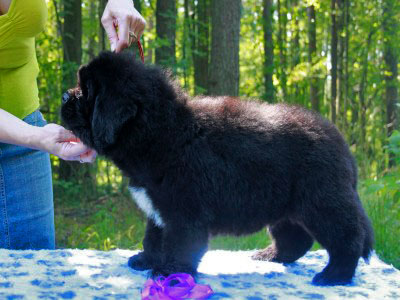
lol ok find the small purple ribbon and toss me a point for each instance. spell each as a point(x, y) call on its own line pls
point(175, 287)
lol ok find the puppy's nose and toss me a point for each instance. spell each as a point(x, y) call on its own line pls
point(65, 97)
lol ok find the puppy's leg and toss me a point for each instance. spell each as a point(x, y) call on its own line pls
point(339, 230)
point(183, 247)
point(289, 242)
point(152, 245)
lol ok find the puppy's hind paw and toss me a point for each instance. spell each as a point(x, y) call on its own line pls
point(268, 254)
point(328, 279)
point(140, 262)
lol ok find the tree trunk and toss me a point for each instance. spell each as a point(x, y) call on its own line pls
point(391, 48)
point(268, 51)
point(166, 33)
point(72, 44)
point(224, 68)
point(282, 41)
point(341, 49)
point(72, 36)
point(185, 37)
point(295, 49)
point(201, 53)
point(102, 32)
point(92, 37)
point(334, 60)
point(363, 106)
point(312, 50)
point(347, 59)
point(138, 5)
point(391, 11)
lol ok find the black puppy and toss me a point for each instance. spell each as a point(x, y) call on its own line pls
point(221, 166)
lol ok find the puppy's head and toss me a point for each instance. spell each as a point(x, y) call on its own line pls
point(108, 95)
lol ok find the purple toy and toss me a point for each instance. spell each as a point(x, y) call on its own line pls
point(167, 289)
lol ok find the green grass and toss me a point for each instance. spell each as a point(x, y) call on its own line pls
point(257, 240)
point(108, 222)
point(109, 219)
point(381, 199)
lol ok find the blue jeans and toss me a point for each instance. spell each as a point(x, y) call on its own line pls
point(26, 196)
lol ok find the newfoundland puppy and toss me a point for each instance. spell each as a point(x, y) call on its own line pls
point(220, 165)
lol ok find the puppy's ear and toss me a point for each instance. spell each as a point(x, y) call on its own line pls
point(109, 116)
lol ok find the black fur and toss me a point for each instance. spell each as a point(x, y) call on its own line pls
point(222, 166)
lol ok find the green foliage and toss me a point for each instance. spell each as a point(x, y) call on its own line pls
point(381, 198)
point(105, 221)
point(394, 146)
point(258, 240)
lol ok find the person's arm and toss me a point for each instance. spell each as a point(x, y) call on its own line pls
point(51, 138)
point(124, 14)
point(4, 5)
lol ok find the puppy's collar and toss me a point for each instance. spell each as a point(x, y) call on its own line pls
point(140, 50)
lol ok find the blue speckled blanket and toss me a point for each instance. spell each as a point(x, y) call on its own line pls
point(97, 275)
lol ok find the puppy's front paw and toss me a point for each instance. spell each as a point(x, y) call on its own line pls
point(140, 262)
point(173, 268)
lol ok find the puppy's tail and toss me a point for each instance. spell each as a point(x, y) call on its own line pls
point(369, 240)
point(368, 236)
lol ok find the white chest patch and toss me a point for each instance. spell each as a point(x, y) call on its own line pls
point(144, 202)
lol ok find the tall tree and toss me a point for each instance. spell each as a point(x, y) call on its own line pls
point(166, 33)
point(282, 44)
point(72, 41)
point(224, 67)
point(312, 51)
point(92, 36)
point(347, 59)
point(72, 49)
point(362, 91)
point(341, 61)
point(391, 12)
point(295, 50)
point(268, 51)
point(186, 37)
point(201, 52)
point(334, 59)
point(138, 5)
point(102, 33)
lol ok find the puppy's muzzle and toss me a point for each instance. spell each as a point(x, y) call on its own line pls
point(70, 94)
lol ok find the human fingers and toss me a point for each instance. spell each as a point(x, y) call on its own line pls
point(138, 24)
point(71, 151)
point(108, 23)
point(88, 157)
point(124, 24)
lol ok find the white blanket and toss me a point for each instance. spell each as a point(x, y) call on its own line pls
point(98, 275)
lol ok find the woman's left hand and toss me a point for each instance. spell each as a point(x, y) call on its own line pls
point(61, 142)
point(130, 23)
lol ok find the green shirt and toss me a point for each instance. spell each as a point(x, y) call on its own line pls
point(18, 63)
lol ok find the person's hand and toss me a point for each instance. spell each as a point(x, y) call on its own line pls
point(61, 142)
point(130, 23)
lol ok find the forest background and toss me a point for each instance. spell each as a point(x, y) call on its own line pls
point(337, 57)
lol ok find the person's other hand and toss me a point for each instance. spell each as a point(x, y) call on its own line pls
point(123, 14)
point(61, 142)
